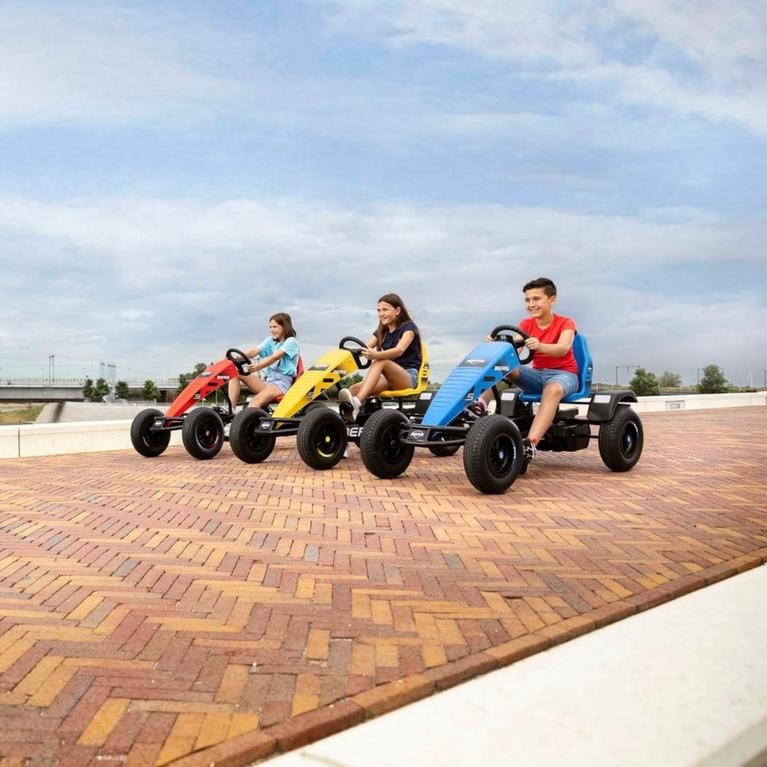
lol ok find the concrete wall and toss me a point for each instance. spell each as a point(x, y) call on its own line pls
point(58, 438)
point(69, 412)
point(95, 436)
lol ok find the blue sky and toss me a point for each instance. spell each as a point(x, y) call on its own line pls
point(171, 174)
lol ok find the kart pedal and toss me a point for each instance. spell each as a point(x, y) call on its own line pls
point(567, 412)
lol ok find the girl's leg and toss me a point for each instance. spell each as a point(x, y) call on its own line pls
point(251, 381)
point(383, 375)
point(266, 394)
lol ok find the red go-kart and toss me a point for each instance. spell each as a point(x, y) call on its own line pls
point(202, 429)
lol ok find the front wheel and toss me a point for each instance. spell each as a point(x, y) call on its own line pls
point(493, 455)
point(148, 443)
point(249, 443)
point(621, 440)
point(321, 438)
point(203, 433)
point(383, 451)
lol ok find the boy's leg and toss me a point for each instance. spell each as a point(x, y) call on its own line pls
point(550, 399)
point(487, 395)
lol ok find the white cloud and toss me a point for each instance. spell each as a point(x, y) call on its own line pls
point(168, 280)
point(704, 58)
point(105, 63)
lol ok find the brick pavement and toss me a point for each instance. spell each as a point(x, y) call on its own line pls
point(168, 610)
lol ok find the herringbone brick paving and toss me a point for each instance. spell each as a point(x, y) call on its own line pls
point(152, 609)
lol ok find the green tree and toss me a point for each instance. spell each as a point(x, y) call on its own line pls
point(669, 380)
point(644, 384)
point(100, 389)
point(713, 381)
point(149, 390)
point(121, 390)
point(88, 388)
point(185, 378)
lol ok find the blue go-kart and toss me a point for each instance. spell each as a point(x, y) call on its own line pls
point(493, 455)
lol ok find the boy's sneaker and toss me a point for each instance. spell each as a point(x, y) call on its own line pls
point(478, 407)
point(528, 448)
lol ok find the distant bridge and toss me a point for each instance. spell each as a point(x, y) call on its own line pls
point(69, 389)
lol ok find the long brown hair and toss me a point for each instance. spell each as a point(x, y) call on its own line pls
point(284, 321)
point(404, 316)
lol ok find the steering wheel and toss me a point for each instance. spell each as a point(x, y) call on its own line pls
point(506, 333)
point(242, 363)
point(361, 362)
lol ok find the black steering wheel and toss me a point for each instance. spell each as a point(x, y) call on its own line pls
point(506, 334)
point(242, 363)
point(361, 362)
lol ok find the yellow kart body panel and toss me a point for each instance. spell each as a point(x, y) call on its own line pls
point(327, 371)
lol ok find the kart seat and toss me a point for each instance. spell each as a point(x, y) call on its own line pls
point(423, 379)
point(585, 370)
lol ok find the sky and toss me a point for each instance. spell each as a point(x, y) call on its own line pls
point(171, 174)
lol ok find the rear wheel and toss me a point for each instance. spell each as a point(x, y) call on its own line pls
point(621, 440)
point(145, 441)
point(321, 438)
point(493, 455)
point(383, 451)
point(249, 443)
point(203, 433)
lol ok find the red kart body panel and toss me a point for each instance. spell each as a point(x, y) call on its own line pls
point(211, 379)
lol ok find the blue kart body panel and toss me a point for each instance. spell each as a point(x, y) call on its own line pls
point(482, 368)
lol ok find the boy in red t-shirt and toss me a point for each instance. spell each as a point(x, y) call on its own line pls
point(554, 372)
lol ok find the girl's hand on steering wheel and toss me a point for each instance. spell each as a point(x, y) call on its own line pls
point(532, 343)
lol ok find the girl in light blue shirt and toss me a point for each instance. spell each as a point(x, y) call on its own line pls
point(277, 356)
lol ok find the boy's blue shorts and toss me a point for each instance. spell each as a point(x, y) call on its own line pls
point(532, 380)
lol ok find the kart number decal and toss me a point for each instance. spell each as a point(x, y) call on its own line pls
point(426, 395)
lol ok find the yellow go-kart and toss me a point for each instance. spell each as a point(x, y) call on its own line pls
point(322, 433)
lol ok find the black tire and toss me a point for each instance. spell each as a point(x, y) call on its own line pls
point(321, 438)
point(203, 433)
point(248, 443)
point(146, 442)
point(493, 455)
point(621, 440)
point(383, 452)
